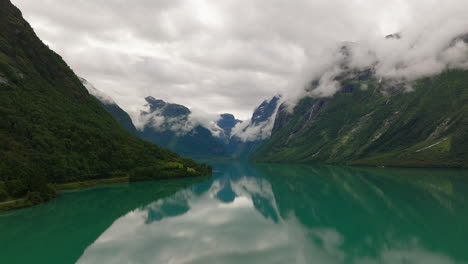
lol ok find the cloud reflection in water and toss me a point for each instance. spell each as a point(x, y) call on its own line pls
point(236, 220)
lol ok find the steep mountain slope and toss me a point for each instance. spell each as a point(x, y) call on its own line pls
point(53, 131)
point(112, 107)
point(265, 111)
point(169, 126)
point(367, 123)
point(249, 136)
point(227, 122)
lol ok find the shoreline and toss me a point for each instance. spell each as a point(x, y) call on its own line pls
point(24, 203)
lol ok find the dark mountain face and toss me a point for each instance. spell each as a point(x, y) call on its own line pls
point(155, 103)
point(167, 109)
point(169, 126)
point(227, 122)
point(265, 111)
point(53, 131)
point(243, 143)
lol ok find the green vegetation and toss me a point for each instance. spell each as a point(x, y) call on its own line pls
point(15, 204)
point(427, 127)
point(53, 132)
point(86, 184)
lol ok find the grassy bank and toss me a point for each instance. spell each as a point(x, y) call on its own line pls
point(30, 201)
point(86, 184)
point(14, 204)
point(27, 201)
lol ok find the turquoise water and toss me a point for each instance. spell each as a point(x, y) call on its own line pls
point(252, 214)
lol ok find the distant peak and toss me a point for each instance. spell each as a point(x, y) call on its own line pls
point(151, 99)
point(227, 122)
point(394, 36)
point(228, 119)
point(155, 103)
point(263, 112)
point(227, 116)
point(168, 109)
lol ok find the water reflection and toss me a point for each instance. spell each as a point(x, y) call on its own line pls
point(59, 231)
point(297, 214)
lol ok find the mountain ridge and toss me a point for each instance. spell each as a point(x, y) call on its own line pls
point(111, 106)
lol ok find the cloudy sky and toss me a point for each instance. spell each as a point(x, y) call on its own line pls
point(228, 55)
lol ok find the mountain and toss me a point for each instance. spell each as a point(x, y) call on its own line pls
point(251, 134)
point(377, 123)
point(111, 106)
point(227, 122)
point(265, 111)
point(168, 125)
point(53, 131)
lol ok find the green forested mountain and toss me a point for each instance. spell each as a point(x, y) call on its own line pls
point(368, 123)
point(53, 131)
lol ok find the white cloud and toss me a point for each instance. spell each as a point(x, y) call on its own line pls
point(104, 98)
point(246, 131)
point(227, 55)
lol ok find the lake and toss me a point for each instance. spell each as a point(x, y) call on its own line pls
point(252, 214)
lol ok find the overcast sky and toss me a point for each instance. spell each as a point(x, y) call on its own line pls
point(229, 55)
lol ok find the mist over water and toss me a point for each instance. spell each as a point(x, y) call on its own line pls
point(254, 214)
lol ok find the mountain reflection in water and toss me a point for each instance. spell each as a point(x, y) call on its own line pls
point(298, 214)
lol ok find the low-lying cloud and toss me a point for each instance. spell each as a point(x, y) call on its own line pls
point(228, 55)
